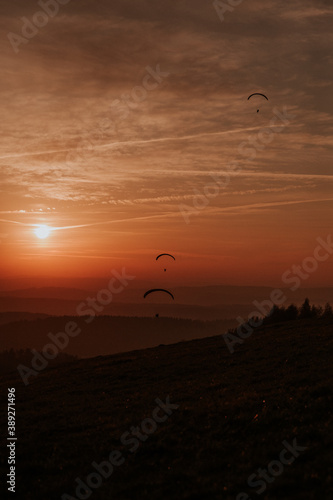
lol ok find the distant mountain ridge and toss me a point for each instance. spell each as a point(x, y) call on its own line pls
point(10, 317)
point(201, 295)
point(205, 303)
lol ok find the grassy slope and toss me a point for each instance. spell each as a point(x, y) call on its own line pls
point(235, 411)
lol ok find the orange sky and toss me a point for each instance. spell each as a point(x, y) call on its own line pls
point(114, 178)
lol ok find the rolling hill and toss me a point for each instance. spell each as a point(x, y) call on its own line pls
point(233, 414)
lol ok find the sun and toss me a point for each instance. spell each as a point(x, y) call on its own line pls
point(42, 232)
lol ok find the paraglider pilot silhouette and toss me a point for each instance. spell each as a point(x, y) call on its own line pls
point(154, 290)
point(257, 93)
point(165, 255)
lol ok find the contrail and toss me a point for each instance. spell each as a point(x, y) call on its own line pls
point(133, 143)
point(181, 138)
point(175, 214)
point(102, 223)
point(264, 205)
point(20, 223)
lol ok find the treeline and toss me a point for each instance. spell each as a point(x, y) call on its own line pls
point(10, 359)
point(293, 313)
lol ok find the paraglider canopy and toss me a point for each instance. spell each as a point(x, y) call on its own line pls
point(167, 254)
point(257, 93)
point(153, 290)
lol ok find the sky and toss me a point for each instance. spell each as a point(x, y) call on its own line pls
point(127, 129)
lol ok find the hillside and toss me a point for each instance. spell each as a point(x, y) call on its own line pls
point(234, 413)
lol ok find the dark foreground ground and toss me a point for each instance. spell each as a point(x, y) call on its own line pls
point(235, 410)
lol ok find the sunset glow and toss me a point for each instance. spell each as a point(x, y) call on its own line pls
point(42, 232)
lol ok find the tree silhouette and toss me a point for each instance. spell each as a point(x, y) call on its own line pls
point(328, 311)
point(305, 311)
point(316, 312)
point(291, 313)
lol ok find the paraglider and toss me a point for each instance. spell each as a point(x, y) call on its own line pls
point(153, 290)
point(165, 255)
point(257, 93)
